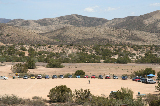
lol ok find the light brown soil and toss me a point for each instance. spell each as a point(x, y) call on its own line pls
point(28, 88)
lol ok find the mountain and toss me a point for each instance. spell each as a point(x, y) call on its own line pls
point(15, 35)
point(148, 22)
point(51, 24)
point(3, 20)
point(77, 29)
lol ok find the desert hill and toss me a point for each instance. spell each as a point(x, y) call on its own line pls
point(79, 29)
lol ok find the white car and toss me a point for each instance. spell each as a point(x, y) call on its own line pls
point(3, 77)
point(115, 77)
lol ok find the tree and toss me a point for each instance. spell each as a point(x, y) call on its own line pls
point(31, 64)
point(123, 93)
point(60, 94)
point(19, 68)
point(79, 72)
point(81, 96)
point(53, 63)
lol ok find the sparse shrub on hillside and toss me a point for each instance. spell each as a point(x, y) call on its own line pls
point(60, 94)
point(79, 72)
point(23, 48)
point(19, 68)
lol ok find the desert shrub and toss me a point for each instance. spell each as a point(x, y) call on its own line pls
point(158, 75)
point(79, 72)
point(122, 94)
point(144, 73)
point(23, 48)
point(53, 63)
point(19, 68)
point(13, 100)
point(158, 86)
point(60, 94)
point(31, 64)
point(81, 96)
point(123, 60)
point(150, 98)
point(66, 75)
point(154, 103)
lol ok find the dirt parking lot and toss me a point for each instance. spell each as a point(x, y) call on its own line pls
point(28, 88)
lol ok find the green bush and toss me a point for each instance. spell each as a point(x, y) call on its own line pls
point(60, 94)
point(53, 63)
point(81, 96)
point(122, 94)
point(13, 100)
point(19, 68)
point(79, 72)
point(31, 64)
point(154, 103)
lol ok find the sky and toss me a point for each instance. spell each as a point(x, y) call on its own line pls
point(108, 9)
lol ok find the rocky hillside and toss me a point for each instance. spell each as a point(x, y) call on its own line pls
point(79, 29)
point(148, 22)
point(14, 35)
point(51, 24)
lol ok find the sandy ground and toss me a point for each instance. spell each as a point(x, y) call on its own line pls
point(28, 88)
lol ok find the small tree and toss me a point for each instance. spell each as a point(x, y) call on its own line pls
point(81, 96)
point(31, 64)
point(79, 72)
point(53, 63)
point(19, 68)
point(122, 94)
point(60, 94)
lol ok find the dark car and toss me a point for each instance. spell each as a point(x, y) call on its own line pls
point(136, 79)
point(124, 77)
point(47, 77)
point(70, 76)
point(54, 76)
point(143, 80)
point(100, 77)
point(61, 76)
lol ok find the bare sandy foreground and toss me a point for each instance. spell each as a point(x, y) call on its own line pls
point(28, 88)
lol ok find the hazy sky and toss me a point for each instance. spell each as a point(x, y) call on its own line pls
point(108, 9)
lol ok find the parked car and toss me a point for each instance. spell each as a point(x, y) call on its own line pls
point(54, 76)
point(115, 77)
point(93, 76)
point(124, 77)
point(78, 76)
point(61, 76)
point(86, 76)
point(143, 80)
point(150, 81)
point(107, 77)
point(25, 77)
point(39, 77)
point(47, 77)
point(100, 77)
point(70, 76)
point(33, 77)
point(136, 79)
point(3, 77)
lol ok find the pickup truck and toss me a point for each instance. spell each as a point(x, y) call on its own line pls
point(150, 81)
